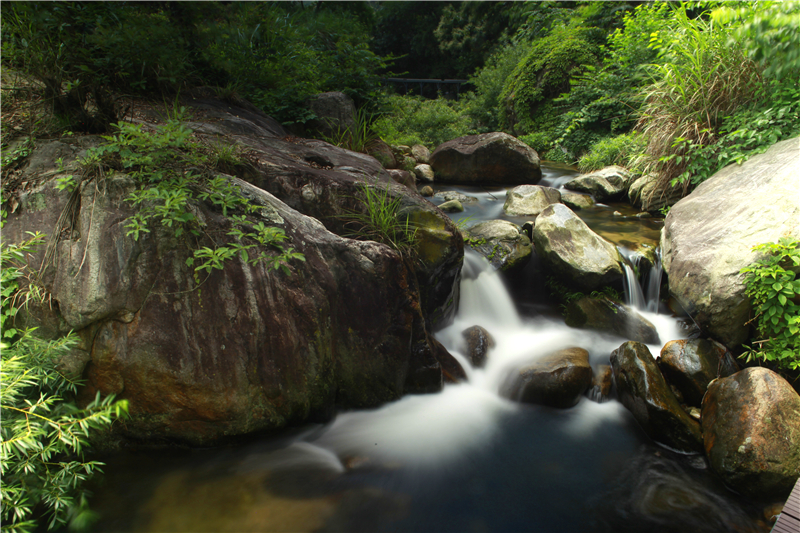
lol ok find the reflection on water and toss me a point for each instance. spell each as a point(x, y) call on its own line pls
point(466, 459)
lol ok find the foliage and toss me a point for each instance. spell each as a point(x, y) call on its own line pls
point(617, 150)
point(44, 434)
point(703, 79)
point(773, 285)
point(381, 220)
point(358, 137)
point(161, 163)
point(483, 105)
point(410, 120)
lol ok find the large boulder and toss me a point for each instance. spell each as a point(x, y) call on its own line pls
point(250, 348)
point(751, 430)
point(690, 365)
point(556, 380)
point(490, 158)
point(573, 252)
point(709, 235)
point(644, 391)
point(501, 242)
point(529, 200)
point(610, 183)
point(608, 316)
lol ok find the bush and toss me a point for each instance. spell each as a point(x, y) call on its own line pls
point(773, 285)
point(44, 433)
point(411, 120)
point(618, 150)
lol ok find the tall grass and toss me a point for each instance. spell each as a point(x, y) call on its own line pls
point(358, 137)
point(702, 79)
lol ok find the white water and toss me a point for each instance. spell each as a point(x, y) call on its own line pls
point(434, 428)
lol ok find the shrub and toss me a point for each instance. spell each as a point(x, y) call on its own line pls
point(617, 150)
point(772, 284)
point(414, 120)
point(44, 433)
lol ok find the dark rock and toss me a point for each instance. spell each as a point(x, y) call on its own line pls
point(335, 112)
point(404, 177)
point(382, 152)
point(479, 341)
point(573, 252)
point(644, 392)
point(602, 384)
point(488, 158)
point(690, 365)
point(452, 371)
point(602, 314)
point(556, 380)
point(427, 191)
point(751, 431)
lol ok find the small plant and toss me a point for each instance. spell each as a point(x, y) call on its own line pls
point(772, 284)
point(358, 137)
point(380, 221)
point(44, 434)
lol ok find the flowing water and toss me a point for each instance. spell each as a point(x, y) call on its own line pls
point(465, 459)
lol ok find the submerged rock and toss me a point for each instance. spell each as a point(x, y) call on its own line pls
point(529, 200)
point(709, 235)
point(690, 365)
point(751, 430)
point(556, 380)
point(573, 252)
point(479, 342)
point(643, 390)
point(487, 158)
point(603, 314)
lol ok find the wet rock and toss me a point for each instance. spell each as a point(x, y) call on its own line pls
point(690, 365)
point(529, 200)
point(452, 371)
point(455, 195)
point(705, 248)
point(573, 252)
point(424, 173)
point(610, 183)
point(602, 384)
point(575, 200)
point(452, 206)
point(501, 242)
point(426, 191)
point(751, 431)
point(556, 380)
point(479, 341)
point(644, 392)
point(603, 314)
point(488, 158)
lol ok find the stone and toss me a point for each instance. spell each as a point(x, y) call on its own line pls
point(382, 152)
point(691, 364)
point(403, 177)
point(709, 235)
point(608, 316)
point(751, 431)
point(644, 192)
point(602, 384)
point(455, 195)
point(644, 392)
point(573, 252)
point(420, 153)
point(501, 242)
point(479, 342)
point(452, 206)
point(610, 183)
point(575, 200)
point(427, 191)
point(452, 371)
point(557, 380)
point(424, 173)
point(529, 200)
point(490, 158)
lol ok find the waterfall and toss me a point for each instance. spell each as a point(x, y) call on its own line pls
point(654, 283)
point(635, 295)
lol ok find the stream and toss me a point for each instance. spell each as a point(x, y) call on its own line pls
point(466, 459)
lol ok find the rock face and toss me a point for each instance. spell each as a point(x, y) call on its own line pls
point(252, 348)
point(690, 365)
point(602, 314)
point(479, 342)
point(555, 380)
point(642, 389)
point(529, 200)
point(709, 235)
point(501, 242)
point(574, 252)
point(610, 183)
point(644, 193)
point(751, 431)
point(488, 158)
